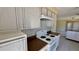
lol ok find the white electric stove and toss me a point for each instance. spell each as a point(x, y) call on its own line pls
point(51, 39)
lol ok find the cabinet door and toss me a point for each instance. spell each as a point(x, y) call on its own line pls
point(16, 45)
point(52, 15)
point(32, 17)
point(35, 18)
point(19, 17)
point(43, 11)
point(54, 21)
point(26, 13)
point(49, 13)
point(7, 19)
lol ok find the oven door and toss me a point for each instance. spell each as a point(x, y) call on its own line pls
point(52, 47)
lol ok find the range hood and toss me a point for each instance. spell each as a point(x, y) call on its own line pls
point(45, 18)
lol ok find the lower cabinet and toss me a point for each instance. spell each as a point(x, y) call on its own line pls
point(77, 36)
point(73, 35)
point(16, 45)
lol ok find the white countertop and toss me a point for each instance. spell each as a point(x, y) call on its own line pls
point(6, 36)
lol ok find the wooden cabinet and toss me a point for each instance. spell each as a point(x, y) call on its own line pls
point(54, 23)
point(77, 36)
point(44, 11)
point(19, 18)
point(48, 11)
point(49, 14)
point(13, 41)
point(73, 35)
point(31, 17)
point(17, 45)
point(7, 19)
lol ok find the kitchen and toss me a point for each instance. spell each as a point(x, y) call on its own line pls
point(34, 29)
point(39, 29)
point(14, 21)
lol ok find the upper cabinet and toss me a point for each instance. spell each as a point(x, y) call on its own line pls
point(31, 17)
point(27, 17)
point(7, 19)
point(50, 12)
point(54, 10)
point(19, 18)
point(43, 11)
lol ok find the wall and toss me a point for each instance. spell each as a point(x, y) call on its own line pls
point(61, 24)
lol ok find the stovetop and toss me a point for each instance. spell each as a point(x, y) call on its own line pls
point(43, 37)
point(47, 38)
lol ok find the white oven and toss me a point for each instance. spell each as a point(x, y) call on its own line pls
point(52, 46)
point(51, 40)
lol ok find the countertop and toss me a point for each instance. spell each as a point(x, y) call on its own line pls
point(34, 44)
point(7, 36)
point(74, 30)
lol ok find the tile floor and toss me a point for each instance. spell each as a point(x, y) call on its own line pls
point(67, 45)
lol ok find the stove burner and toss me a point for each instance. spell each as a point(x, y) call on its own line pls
point(43, 37)
point(48, 39)
point(52, 36)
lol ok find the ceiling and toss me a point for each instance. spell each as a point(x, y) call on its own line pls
point(67, 11)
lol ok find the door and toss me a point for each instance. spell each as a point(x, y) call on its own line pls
point(31, 17)
point(19, 17)
point(44, 11)
point(16, 45)
point(7, 19)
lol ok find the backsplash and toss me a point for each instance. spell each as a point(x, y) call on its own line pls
point(31, 32)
